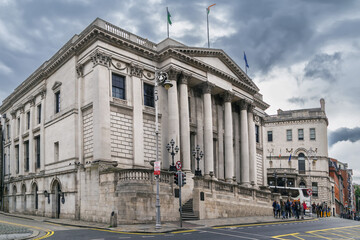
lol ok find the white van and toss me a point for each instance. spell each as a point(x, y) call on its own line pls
point(294, 194)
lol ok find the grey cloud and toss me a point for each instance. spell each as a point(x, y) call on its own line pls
point(297, 100)
point(344, 134)
point(324, 66)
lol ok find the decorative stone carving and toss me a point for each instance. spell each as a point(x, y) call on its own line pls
point(172, 73)
point(101, 58)
point(21, 108)
point(43, 92)
point(289, 150)
point(13, 113)
point(243, 105)
point(207, 87)
point(257, 119)
point(136, 70)
point(228, 96)
point(251, 107)
point(56, 86)
point(184, 78)
point(31, 100)
point(80, 70)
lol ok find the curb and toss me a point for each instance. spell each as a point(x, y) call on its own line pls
point(249, 223)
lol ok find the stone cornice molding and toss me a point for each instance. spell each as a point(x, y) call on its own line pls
point(56, 86)
point(31, 100)
point(100, 58)
point(207, 87)
point(136, 70)
point(228, 96)
point(293, 121)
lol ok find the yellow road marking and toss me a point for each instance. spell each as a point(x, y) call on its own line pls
point(48, 232)
point(185, 231)
point(262, 224)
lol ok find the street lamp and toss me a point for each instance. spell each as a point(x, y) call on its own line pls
point(162, 79)
point(275, 176)
point(197, 154)
point(310, 153)
point(285, 181)
point(173, 153)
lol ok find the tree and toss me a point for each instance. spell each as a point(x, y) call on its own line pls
point(357, 196)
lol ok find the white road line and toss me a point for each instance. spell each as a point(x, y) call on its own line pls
point(124, 237)
point(231, 235)
point(186, 233)
point(147, 236)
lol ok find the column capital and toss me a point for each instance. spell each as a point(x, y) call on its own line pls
point(102, 58)
point(244, 104)
point(13, 113)
point(251, 107)
point(207, 87)
point(31, 100)
point(43, 92)
point(136, 70)
point(184, 78)
point(80, 70)
point(228, 96)
point(172, 73)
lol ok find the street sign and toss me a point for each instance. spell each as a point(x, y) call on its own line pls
point(309, 192)
point(178, 165)
point(157, 168)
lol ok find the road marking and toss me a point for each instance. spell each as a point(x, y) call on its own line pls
point(231, 235)
point(130, 233)
point(185, 231)
point(124, 237)
point(48, 231)
point(263, 224)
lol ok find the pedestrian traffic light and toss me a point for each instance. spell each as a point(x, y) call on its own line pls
point(183, 180)
point(176, 179)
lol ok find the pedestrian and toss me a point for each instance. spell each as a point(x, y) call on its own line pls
point(287, 209)
point(297, 209)
point(313, 210)
point(282, 206)
point(278, 209)
point(274, 208)
point(302, 211)
point(304, 207)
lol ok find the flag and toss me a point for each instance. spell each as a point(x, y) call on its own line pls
point(208, 9)
point(168, 17)
point(280, 154)
point(290, 157)
point(246, 62)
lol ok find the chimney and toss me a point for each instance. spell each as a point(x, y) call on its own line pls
point(322, 104)
point(279, 111)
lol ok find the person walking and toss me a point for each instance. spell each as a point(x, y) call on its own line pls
point(304, 207)
point(274, 208)
point(282, 207)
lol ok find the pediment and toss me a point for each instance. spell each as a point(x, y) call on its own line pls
point(56, 85)
point(219, 60)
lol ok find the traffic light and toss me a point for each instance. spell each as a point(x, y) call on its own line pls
point(183, 180)
point(176, 179)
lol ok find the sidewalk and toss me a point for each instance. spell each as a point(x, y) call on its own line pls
point(165, 226)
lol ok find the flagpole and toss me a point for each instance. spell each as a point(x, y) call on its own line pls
point(167, 21)
point(207, 20)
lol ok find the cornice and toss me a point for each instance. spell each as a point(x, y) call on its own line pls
point(294, 121)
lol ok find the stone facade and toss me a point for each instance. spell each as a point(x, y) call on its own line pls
point(303, 135)
point(83, 131)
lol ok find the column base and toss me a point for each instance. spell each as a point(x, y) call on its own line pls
point(198, 173)
point(229, 180)
point(246, 184)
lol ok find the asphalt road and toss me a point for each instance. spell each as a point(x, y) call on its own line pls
point(327, 228)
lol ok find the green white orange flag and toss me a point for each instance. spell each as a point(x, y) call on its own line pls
point(208, 9)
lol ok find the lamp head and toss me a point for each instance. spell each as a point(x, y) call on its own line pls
point(167, 84)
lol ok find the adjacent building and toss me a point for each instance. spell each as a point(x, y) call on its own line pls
point(296, 148)
point(81, 131)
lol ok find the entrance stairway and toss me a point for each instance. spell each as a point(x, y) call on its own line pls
point(187, 211)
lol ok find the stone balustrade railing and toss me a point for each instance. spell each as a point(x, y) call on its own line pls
point(143, 175)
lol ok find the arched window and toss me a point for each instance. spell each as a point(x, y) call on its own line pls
point(14, 198)
point(301, 162)
point(35, 196)
point(302, 184)
point(23, 193)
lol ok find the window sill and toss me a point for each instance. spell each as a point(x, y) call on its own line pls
point(120, 101)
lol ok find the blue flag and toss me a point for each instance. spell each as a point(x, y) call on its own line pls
point(246, 63)
point(290, 157)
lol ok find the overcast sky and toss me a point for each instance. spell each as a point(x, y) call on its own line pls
point(298, 51)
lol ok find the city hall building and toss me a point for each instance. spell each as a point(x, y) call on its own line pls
point(79, 133)
point(297, 151)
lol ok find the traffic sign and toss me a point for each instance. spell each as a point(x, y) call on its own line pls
point(309, 192)
point(178, 165)
point(157, 168)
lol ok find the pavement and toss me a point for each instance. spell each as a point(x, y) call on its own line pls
point(135, 228)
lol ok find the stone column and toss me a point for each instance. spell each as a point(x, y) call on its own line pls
point(21, 144)
point(12, 158)
point(136, 73)
point(208, 130)
point(245, 180)
point(185, 125)
point(173, 109)
point(236, 135)
point(252, 145)
point(220, 117)
point(42, 130)
point(31, 137)
point(229, 150)
point(200, 127)
point(101, 106)
point(79, 151)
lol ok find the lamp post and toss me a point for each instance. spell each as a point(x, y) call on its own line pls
point(173, 152)
point(310, 153)
point(197, 154)
point(162, 79)
point(275, 176)
point(285, 181)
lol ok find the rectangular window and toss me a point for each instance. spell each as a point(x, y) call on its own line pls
point(18, 126)
point(26, 155)
point(149, 95)
point(315, 189)
point(28, 120)
point(37, 151)
point(8, 131)
point(17, 158)
point(289, 135)
point(39, 114)
point(5, 171)
point(270, 136)
point(257, 133)
point(118, 86)
point(57, 102)
point(312, 134)
point(56, 151)
point(300, 134)
point(301, 166)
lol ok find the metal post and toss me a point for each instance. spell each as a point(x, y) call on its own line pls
point(207, 20)
point(157, 203)
point(179, 173)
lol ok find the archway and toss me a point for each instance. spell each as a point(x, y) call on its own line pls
point(6, 199)
point(56, 191)
point(23, 198)
point(14, 197)
point(35, 196)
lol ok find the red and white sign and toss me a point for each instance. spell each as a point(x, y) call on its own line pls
point(157, 168)
point(309, 192)
point(178, 165)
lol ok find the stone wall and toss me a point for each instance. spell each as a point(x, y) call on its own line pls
point(259, 169)
point(88, 133)
point(150, 139)
point(121, 136)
